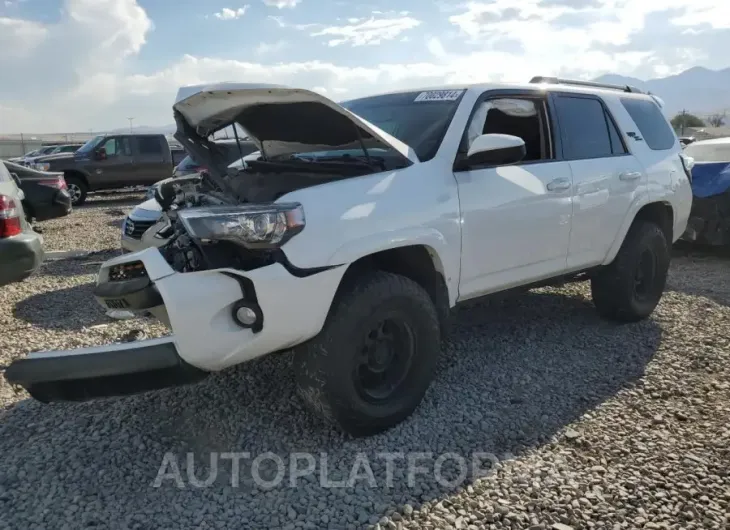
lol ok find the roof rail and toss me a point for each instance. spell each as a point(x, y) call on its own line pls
point(592, 84)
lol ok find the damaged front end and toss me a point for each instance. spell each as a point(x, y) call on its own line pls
point(220, 279)
point(709, 221)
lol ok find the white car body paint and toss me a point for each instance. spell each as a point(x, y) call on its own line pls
point(487, 230)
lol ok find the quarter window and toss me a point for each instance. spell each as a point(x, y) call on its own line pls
point(652, 124)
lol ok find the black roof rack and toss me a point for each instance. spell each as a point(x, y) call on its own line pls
point(592, 84)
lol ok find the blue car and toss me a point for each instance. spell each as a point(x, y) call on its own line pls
point(709, 221)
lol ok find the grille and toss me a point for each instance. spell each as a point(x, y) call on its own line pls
point(135, 229)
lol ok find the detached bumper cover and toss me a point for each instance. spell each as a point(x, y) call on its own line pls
point(709, 220)
point(114, 370)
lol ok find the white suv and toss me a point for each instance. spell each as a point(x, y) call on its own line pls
point(359, 227)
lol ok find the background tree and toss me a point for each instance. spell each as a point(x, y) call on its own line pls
point(685, 119)
point(717, 120)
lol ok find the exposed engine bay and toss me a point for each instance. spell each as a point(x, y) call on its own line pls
point(256, 183)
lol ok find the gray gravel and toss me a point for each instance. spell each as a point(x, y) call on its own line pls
point(594, 425)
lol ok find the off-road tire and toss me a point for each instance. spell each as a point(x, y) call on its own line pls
point(325, 366)
point(72, 180)
point(613, 288)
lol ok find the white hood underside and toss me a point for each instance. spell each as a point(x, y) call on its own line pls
point(209, 108)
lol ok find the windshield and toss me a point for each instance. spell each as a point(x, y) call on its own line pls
point(89, 146)
point(708, 152)
point(418, 119)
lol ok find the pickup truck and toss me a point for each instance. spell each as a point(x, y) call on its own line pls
point(112, 161)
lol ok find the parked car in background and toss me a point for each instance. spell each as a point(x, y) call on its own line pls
point(37, 162)
point(112, 161)
point(21, 248)
point(37, 152)
point(709, 221)
point(46, 194)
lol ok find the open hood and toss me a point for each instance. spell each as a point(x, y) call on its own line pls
point(281, 120)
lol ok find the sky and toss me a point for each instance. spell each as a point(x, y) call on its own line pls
point(88, 65)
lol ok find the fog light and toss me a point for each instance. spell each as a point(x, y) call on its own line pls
point(248, 315)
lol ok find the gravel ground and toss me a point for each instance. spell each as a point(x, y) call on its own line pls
point(590, 424)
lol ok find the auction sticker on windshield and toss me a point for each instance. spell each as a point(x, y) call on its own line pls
point(439, 95)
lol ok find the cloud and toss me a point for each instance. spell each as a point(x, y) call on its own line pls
point(228, 13)
point(371, 31)
point(265, 48)
point(98, 83)
point(282, 4)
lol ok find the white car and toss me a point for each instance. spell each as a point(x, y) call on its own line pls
point(363, 225)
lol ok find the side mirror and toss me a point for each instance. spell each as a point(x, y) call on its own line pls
point(496, 150)
point(16, 178)
point(101, 154)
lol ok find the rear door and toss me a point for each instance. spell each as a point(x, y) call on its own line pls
point(152, 163)
point(606, 176)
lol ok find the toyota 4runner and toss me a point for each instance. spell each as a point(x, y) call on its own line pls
point(358, 227)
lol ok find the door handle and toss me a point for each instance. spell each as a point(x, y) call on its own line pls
point(560, 184)
point(630, 175)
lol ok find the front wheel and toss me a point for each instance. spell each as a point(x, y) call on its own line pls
point(77, 189)
point(629, 289)
point(372, 363)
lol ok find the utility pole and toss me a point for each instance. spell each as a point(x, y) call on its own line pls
point(130, 124)
point(684, 120)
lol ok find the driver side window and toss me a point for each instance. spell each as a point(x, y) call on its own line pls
point(117, 147)
point(522, 117)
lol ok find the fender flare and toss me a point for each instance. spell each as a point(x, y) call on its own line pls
point(432, 239)
point(642, 200)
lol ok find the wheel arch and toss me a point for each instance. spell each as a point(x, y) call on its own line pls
point(77, 174)
point(659, 212)
point(418, 262)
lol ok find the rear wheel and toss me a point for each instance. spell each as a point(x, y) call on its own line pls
point(629, 289)
point(372, 363)
point(77, 189)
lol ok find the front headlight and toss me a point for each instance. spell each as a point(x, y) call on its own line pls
point(42, 166)
point(259, 227)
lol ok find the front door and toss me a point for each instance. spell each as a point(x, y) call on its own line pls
point(516, 219)
point(116, 170)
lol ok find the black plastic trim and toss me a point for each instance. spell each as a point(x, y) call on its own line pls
point(110, 373)
point(136, 293)
point(298, 272)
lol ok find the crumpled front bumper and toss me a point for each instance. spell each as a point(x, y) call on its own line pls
point(199, 307)
point(709, 221)
point(114, 370)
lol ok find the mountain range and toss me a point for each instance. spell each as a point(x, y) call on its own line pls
point(698, 90)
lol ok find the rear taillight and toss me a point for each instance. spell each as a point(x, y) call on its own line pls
point(9, 218)
point(59, 183)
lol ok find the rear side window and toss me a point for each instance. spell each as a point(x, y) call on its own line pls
point(587, 129)
point(149, 145)
point(652, 125)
